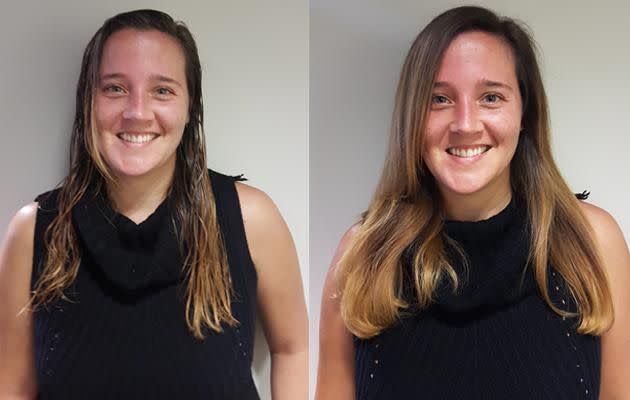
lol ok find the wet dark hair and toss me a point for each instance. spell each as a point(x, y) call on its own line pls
point(208, 293)
point(88, 81)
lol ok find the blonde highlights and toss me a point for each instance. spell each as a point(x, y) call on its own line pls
point(405, 215)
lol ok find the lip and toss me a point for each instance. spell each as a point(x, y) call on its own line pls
point(469, 146)
point(133, 144)
point(467, 160)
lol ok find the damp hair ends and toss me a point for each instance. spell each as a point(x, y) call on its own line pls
point(208, 288)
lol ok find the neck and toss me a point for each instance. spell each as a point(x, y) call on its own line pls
point(138, 197)
point(477, 206)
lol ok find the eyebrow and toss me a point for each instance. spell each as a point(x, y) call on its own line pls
point(482, 82)
point(159, 78)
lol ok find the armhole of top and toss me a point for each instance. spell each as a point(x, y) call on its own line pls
point(46, 211)
point(36, 266)
point(230, 217)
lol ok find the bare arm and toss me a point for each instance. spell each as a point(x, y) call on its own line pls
point(280, 293)
point(17, 373)
point(335, 375)
point(615, 370)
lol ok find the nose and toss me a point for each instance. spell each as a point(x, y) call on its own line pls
point(138, 107)
point(466, 118)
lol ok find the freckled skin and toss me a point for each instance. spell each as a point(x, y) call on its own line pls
point(138, 100)
point(468, 111)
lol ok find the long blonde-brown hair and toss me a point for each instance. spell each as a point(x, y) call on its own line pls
point(406, 206)
point(208, 290)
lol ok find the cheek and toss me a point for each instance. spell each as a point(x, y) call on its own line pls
point(437, 123)
point(172, 116)
point(105, 115)
point(431, 154)
point(510, 140)
point(507, 125)
point(434, 142)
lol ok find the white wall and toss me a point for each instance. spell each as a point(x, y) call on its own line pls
point(255, 64)
point(356, 50)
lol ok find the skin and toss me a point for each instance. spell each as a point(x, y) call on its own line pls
point(280, 293)
point(476, 102)
point(335, 374)
point(130, 98)
point(142, 91)
point(615, 368)
point(466, 110)
point(17, 372)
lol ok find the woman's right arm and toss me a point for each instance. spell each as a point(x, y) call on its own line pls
point(335, 375)
point(17, 373)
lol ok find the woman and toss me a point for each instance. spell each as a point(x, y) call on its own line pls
point(141, 275)
point(475, 273)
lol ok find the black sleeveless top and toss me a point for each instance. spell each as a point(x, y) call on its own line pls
point(495, 338)
point(123, 332)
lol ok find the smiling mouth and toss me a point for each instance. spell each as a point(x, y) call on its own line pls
point(137, 138)
point(467, 152)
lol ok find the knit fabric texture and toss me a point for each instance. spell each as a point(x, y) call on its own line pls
point(122, 333)
point(494, 338)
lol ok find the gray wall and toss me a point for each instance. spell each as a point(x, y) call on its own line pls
point(255, 63)
point(356, 51)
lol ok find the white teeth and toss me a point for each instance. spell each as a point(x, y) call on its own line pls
point(466, 153)
point(137, 138)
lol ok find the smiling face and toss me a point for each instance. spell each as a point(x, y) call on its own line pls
point(474, 121)
point(140, 103)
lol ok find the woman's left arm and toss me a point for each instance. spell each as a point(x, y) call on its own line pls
point(615, 384)
point(280, 293)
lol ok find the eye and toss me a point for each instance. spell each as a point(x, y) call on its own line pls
point(114, 89)
point(492, 98)
point(164, 91)
point(439, 99)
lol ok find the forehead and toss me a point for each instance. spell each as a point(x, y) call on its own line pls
point(477, 56)
point(132, 52)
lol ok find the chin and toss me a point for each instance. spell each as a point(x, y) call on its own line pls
point(464, 187)
point(464, 191)
point(132, 169)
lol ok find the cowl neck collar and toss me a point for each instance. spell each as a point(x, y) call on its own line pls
point(130, 256)
point(496, 274)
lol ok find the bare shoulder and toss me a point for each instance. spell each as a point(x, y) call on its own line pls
point(16, 251)
point(17, 376)
point(349, 236)
point(260, 214)
point(609, 236)
point(335, 377)
point(266, 231)
point(21, 228)
point(256, 205)
point(279, 290)
point(616, 341)
point(330, 284)
point(344, 243)
point(602, 222)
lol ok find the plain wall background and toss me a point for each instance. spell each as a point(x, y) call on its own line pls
point(255, 65)
point(356, 51)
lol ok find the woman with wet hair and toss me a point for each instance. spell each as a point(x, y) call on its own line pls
point(139, 277)
point(475, 272)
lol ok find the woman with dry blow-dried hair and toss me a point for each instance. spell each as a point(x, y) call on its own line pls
point(475, 273)
point(139, 278)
